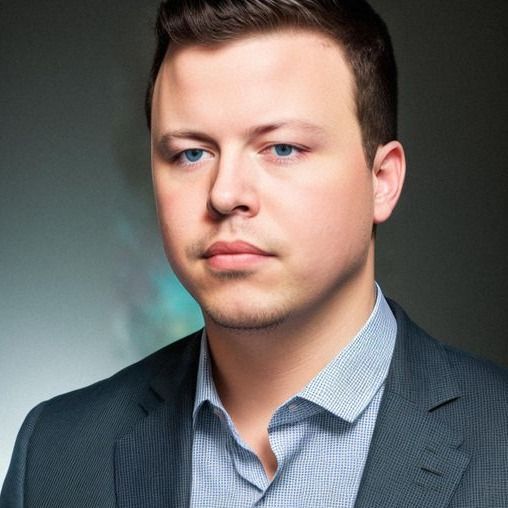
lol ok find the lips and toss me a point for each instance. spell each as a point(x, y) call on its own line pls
point(234, 256)
point(232, 248)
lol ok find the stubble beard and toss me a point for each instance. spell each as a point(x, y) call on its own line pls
point(246, 320)
point(255, 321)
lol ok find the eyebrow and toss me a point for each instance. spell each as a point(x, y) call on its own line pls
point(251, 133)
point(164, 143)
point(299, 124)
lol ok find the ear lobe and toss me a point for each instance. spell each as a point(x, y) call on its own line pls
point(388, 172)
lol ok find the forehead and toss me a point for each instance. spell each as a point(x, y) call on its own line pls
point(293, 72)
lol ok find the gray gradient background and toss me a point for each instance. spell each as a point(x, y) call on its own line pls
point(84, 288)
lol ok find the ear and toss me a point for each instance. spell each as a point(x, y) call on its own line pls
point(388, 172)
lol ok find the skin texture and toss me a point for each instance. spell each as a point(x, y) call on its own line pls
point(257, 141)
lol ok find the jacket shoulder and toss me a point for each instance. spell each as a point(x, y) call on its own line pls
point(72, 436)
point(433, 361)
point(478, 376)
point(122, 387)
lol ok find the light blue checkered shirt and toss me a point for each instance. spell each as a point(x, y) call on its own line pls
point(320, 436)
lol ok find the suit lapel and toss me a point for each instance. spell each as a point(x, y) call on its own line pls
point(153, 461)
point(415, 458)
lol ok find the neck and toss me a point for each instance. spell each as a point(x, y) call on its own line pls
point(255, 371)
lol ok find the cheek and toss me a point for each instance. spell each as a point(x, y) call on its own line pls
point(335, 210)
point(175, 212)
point(175, 197)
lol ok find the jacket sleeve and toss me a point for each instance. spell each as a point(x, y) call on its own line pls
point(12, 495)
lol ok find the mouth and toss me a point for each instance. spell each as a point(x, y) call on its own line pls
point(237, 255)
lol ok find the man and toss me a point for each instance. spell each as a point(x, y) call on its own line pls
point(274, 157)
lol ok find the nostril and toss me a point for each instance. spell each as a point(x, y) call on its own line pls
point(218, 210)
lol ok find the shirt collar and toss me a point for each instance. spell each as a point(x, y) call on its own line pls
point(205, 386)
point(347, 384)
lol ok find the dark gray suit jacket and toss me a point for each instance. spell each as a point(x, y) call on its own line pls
point(441, 438)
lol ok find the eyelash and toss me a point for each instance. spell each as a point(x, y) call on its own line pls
point(177, 158)
point(299, 153)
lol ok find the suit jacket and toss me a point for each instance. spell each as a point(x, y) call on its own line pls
point(441, 437)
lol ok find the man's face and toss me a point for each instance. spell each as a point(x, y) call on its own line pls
point(262, 188)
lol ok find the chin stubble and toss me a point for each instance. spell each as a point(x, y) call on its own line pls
point(257, 320)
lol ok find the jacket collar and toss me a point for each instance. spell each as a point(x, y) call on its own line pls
point(415, 457)
point(153, 464)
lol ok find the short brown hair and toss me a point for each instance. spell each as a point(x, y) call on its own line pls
point(353, 24)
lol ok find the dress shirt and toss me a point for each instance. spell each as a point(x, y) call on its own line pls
point(320, 436)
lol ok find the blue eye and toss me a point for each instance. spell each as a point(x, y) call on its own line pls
point(282, 150)
point(193, 155)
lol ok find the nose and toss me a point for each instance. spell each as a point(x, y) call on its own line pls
point(233, 190)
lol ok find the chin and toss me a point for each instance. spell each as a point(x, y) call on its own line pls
point(247, 319)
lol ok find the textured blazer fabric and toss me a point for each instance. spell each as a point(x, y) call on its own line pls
point(441, 437)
